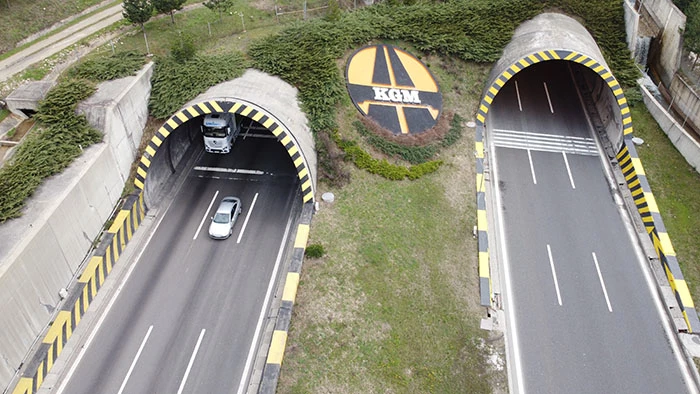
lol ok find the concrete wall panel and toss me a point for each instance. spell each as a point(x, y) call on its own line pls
point(672, 21)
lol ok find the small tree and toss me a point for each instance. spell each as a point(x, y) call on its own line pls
point(219, 6)
point(691, 36)
point(168, 7)
point(138, 12)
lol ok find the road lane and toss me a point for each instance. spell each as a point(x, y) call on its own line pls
point(184, 287)
point(581, 345)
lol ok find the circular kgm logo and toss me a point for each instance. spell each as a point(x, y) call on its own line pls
point(394, 88)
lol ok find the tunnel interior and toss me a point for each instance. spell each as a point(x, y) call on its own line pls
point(255, 152)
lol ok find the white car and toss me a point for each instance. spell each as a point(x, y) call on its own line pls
point(225, 217)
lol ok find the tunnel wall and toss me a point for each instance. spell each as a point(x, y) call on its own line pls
point(281, 115)
point(558, 37)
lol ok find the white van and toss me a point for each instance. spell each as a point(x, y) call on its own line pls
point(219, 132)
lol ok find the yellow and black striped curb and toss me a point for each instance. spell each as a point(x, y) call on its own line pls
point(275, 353)
point(485, 288)
point(82, 293)
point(644, 200)
point(491, 92)
point(284, 136)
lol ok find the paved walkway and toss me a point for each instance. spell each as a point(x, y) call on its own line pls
point(54, 43)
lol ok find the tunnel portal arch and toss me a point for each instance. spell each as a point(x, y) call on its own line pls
point(280, 99)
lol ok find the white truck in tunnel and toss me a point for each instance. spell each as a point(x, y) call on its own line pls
point(219, 132)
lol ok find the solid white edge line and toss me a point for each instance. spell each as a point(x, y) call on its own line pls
point(205, 215)
point(263, 311)
point(532, 167)
point(548, 99)
point(554, 273)
point(245, 223)
point(509, 303)
point(602, 282)
point(568, 169)
point(136, 359)
point(189, 365)
point(517, 92)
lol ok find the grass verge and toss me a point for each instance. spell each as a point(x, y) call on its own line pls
point(393, 307)
point(675, 185)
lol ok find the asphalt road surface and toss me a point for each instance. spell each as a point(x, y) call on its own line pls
point(186, 318)
point(582, 315)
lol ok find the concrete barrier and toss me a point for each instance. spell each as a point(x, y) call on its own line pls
point(686, 145)
point(42, 251)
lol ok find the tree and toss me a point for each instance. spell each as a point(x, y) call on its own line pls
point(219, 6)
point(138, 12)
point(691, 36)
point(168, 7)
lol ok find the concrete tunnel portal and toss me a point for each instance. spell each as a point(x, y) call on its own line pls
point(243, 96)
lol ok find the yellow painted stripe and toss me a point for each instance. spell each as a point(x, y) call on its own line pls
point(293, 150)
point(304, 172)
point(630, 176)
point(89, 269)
point(570, 55)
point(533, 58)
point(138, 184)
point(24, 386)
point(150, 150)
point(484, 109)
point(156, 140)
point(637, 163)
point(493, 90)
point(247, 110)
point(299, 161)
point(666, 245)
point(628, 130)
point(172, 123)
point(181, 115)
point(481, 220)
point(118, 221)
point(284, 141)
point(544, 55)
point(523, 62)
point(684, 293)
point(651, 202)
point(515, 69)
point(480, 117)
point(302, 236)
point(306, 185)
point(554, 54)
point(634, 183)
point(625, 111)
point(598, 68)
point(590, 63)
point(203, 109)
point(607, 75)
point(235, 107)
point(56, 329)
point(141, 172)
point(290, 287)
point(627, 121)
point(499, 82)
point(488, 99)
point(479, 149)
point(507, 74)
point(484, 264)
point(268, 123)
point(193, 111)
point(216, 106)
point(308, 196)
point(279, 341)
point(258, 116)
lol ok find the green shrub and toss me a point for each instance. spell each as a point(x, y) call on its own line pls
point(183, 48)
point(107, 68)
point(314, 251)
point(175, 83)
point(61, 139)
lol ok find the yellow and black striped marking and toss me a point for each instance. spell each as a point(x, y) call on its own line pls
point(481, 223)
point(542, 56)
point(275, 353)
point(81, 295)
point(284, 136)
point(646, 206)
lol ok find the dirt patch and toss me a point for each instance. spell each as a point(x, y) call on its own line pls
point(13, 138)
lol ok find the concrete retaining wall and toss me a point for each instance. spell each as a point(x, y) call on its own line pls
point(41, 252)
point(686, 145)
point(671, 20)
point(685, 101)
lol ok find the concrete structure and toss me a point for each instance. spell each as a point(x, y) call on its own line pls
point(43, 251)
point(686, 144)
point(281, 115)
point(667, 47)
point(25, 99)
point(555, 37)
point(686, 101)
